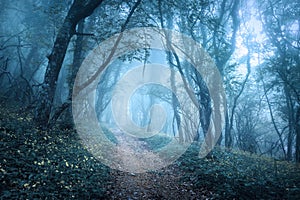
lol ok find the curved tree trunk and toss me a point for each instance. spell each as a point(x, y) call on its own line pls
point(79, 10)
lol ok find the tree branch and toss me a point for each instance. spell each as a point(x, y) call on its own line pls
point(84, 34)
point(110, 56)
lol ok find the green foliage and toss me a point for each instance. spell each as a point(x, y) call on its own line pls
point(157, 141)
point(36, 164)
point(241, 175)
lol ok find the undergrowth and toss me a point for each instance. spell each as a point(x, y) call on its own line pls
point(157, 141)
point(36, 164)
point(240, 175)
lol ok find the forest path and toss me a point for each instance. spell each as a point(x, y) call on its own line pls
point(164, 183)
point(133, 154)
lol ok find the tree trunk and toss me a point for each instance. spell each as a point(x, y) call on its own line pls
point(298, 135)
point(222, 60)
point(273, 120)
point(79, 10)
point(175, 105)
point(290, 115)
point(77, 60)
point(229, 118)
point(227, 132)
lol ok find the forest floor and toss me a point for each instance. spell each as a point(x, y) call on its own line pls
point(164, 183)
point(37, 164)
point(161, 184)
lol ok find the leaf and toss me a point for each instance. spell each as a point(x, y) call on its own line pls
point(26, 185)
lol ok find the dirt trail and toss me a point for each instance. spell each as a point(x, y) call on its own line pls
point(163, 183)
point(134, 155)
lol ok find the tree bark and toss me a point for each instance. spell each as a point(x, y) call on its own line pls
point(79, 10)
point(290, 115)
point(298, 135)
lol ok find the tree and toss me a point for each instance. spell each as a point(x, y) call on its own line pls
point(78, 11)
point(279, 20)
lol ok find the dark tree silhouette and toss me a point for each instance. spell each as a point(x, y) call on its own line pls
point(79, 10)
